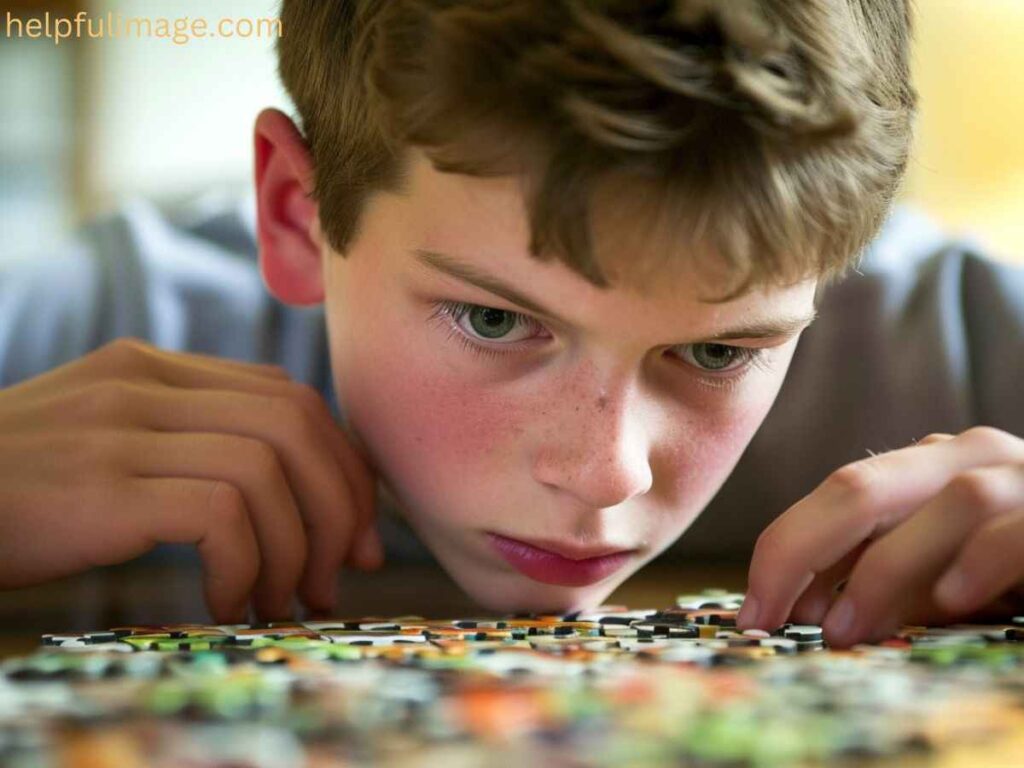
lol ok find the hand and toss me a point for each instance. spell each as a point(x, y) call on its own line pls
point(130, 446)
point(928, 534)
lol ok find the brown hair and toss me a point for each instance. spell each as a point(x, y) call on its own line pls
point(774, 131)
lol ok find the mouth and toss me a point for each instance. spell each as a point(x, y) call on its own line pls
point(569, 566)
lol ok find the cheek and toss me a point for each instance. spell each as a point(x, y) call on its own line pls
point(443, 441)
point(441, 419)
point(699, 453)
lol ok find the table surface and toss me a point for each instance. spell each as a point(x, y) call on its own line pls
point(172, 594)
point(124, 595)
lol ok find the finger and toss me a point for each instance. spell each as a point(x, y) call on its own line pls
point(339, 529)
point(988, 566)
point(814, 603)
point(892, 581)
point(858, 502)
point(367, 550)
point(208, 513)
point(213, 362)
point(220, 527)
point(127, 358)
point(103, 401)
point(934, 437)
point(363, 540)
point(253, 468)
point(128, 350)
point(355, 469)
point(320, 486)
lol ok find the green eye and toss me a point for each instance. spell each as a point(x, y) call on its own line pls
point(475, 322)
point(715, 357)
point(491, 323)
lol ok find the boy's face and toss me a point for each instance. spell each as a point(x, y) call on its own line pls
point(594, 419)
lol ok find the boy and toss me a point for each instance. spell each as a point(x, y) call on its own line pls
point(566, 252)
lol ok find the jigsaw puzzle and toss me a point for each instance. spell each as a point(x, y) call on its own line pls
point(607, 687)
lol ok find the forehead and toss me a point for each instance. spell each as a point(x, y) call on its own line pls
point(483, 221)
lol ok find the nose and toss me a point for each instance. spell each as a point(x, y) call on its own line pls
point(597, 453)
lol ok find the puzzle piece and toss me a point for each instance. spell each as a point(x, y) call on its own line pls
point(602, 687)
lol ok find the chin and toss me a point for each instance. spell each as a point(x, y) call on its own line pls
point(504, 592)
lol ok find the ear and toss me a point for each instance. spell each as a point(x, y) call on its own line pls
point(288, 226)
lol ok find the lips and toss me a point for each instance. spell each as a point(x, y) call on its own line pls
point(570, 551)
point(568, 566)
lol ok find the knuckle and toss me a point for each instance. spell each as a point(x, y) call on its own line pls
point(125, 352)
point(260, 459)
point(307, 397)
point(770, 545)
point(975, 489)
point(227, 504)
point(125, 346)
point(278, 370)
point(934, 437)
point(982, 433)
point(858, 479)
point(995, 439)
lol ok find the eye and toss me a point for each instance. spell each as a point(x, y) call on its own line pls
point(718, 357)
point(491, 324)
point(488, 323)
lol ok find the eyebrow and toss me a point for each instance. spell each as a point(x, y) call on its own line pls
point(469, 273)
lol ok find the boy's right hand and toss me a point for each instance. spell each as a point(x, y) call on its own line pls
point(130, 446)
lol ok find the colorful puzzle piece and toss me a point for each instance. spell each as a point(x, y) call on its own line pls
point(605, 687)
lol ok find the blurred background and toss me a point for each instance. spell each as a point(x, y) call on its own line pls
point(88, 124)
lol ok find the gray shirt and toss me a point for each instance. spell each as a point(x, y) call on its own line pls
point(927, 336)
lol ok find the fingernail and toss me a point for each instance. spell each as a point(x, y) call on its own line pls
point(748, 612)
point(951, 589)
point(840, 619)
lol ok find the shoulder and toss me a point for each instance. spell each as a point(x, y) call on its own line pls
point(915, 269)
point(912, 244)
point(908, 237)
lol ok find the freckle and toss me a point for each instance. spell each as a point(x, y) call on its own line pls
point(602, 403)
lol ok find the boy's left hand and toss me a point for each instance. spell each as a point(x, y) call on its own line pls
point(927, 534)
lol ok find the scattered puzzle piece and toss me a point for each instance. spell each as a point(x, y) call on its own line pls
point(609, 686)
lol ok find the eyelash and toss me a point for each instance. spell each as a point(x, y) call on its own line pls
point(450, 312)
